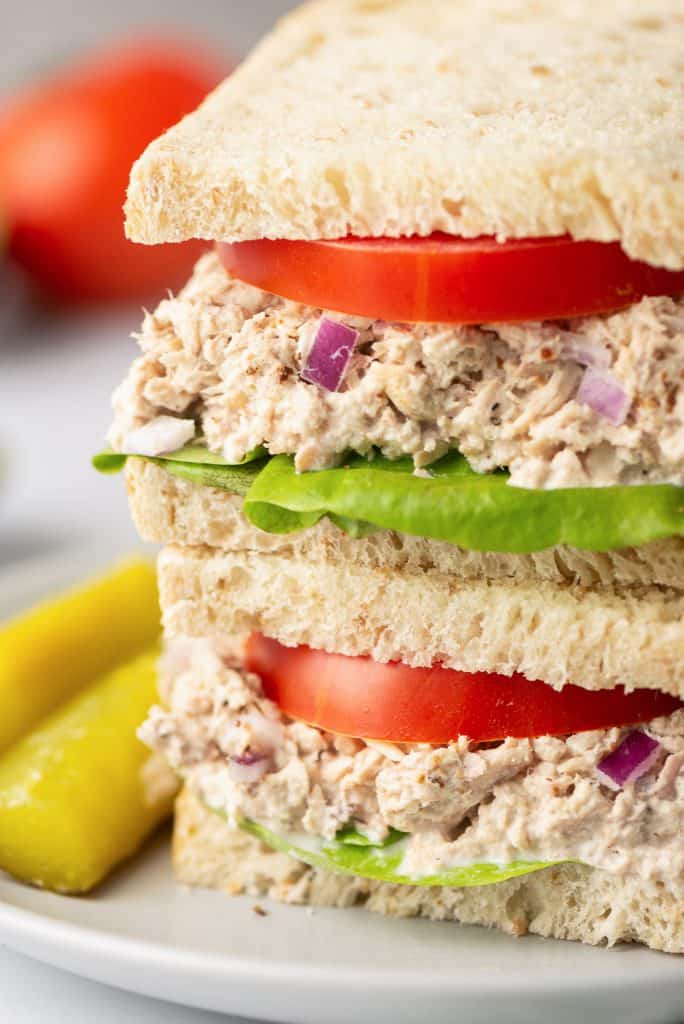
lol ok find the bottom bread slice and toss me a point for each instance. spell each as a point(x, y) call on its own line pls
point(568, 901)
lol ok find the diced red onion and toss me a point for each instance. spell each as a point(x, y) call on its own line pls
point(580, 350)
point(637, 753)
point(329, 355)
point(248, 767)
point(248, 758)
point(161, 435)
point(605, 395)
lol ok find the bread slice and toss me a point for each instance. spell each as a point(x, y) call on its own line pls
point(399, 117)
point(569, 901)
point(168, 510)
point(560, 634)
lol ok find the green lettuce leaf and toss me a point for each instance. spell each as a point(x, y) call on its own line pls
point(350, 853)
point(196, 464)
point(475, 511)
point(480, 512)
point(235, 479)
point(109, 461)
point(351, 836)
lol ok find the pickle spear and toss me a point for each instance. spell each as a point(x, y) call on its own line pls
point(49, 654)
point(81, 792)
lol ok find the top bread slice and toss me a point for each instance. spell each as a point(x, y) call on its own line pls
point(399, 117)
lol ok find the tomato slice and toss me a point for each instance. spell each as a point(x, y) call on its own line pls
point(66, 149)
point(442, 279)
point(361, 697)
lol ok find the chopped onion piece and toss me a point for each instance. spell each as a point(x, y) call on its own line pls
point(248, 767)
point(580, 350)
point(637, 753)
point(329, 355)
point(605, 395)
point(161, 435)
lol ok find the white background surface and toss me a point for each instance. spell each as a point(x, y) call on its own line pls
point(32, 992)
point(56, 376)
point(36, 34)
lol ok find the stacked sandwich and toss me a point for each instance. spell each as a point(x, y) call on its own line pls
point(413, 439)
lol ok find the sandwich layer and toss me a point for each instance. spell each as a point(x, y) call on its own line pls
point(502, 118)
point(557, 633)
point(169, 510)
point(231, 357)
point(510, 802)
point(567, 901)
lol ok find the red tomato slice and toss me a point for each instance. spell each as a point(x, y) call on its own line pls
point(361, 697)
point(442, 279)
point(66, 149)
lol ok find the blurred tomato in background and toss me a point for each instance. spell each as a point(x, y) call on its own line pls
point(66, 148)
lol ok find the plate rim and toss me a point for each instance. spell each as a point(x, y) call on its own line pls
point(74, 938)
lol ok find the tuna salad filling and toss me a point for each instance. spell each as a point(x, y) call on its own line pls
point(518, 800)
point(594, 401)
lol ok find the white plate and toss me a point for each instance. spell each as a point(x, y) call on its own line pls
point(141, 932)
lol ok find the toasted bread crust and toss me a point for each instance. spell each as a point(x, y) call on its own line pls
point(402, 117)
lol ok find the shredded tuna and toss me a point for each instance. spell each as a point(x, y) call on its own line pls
point(504, 395)
point(521, 799)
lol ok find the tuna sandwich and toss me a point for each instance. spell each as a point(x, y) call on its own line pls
point(412, 437)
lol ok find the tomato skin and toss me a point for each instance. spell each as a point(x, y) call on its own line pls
point(66, 149)
point(441, 279)
point(357, 696)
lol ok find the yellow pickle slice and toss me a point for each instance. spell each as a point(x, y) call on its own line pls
point(50, 653)
point(81, 793)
